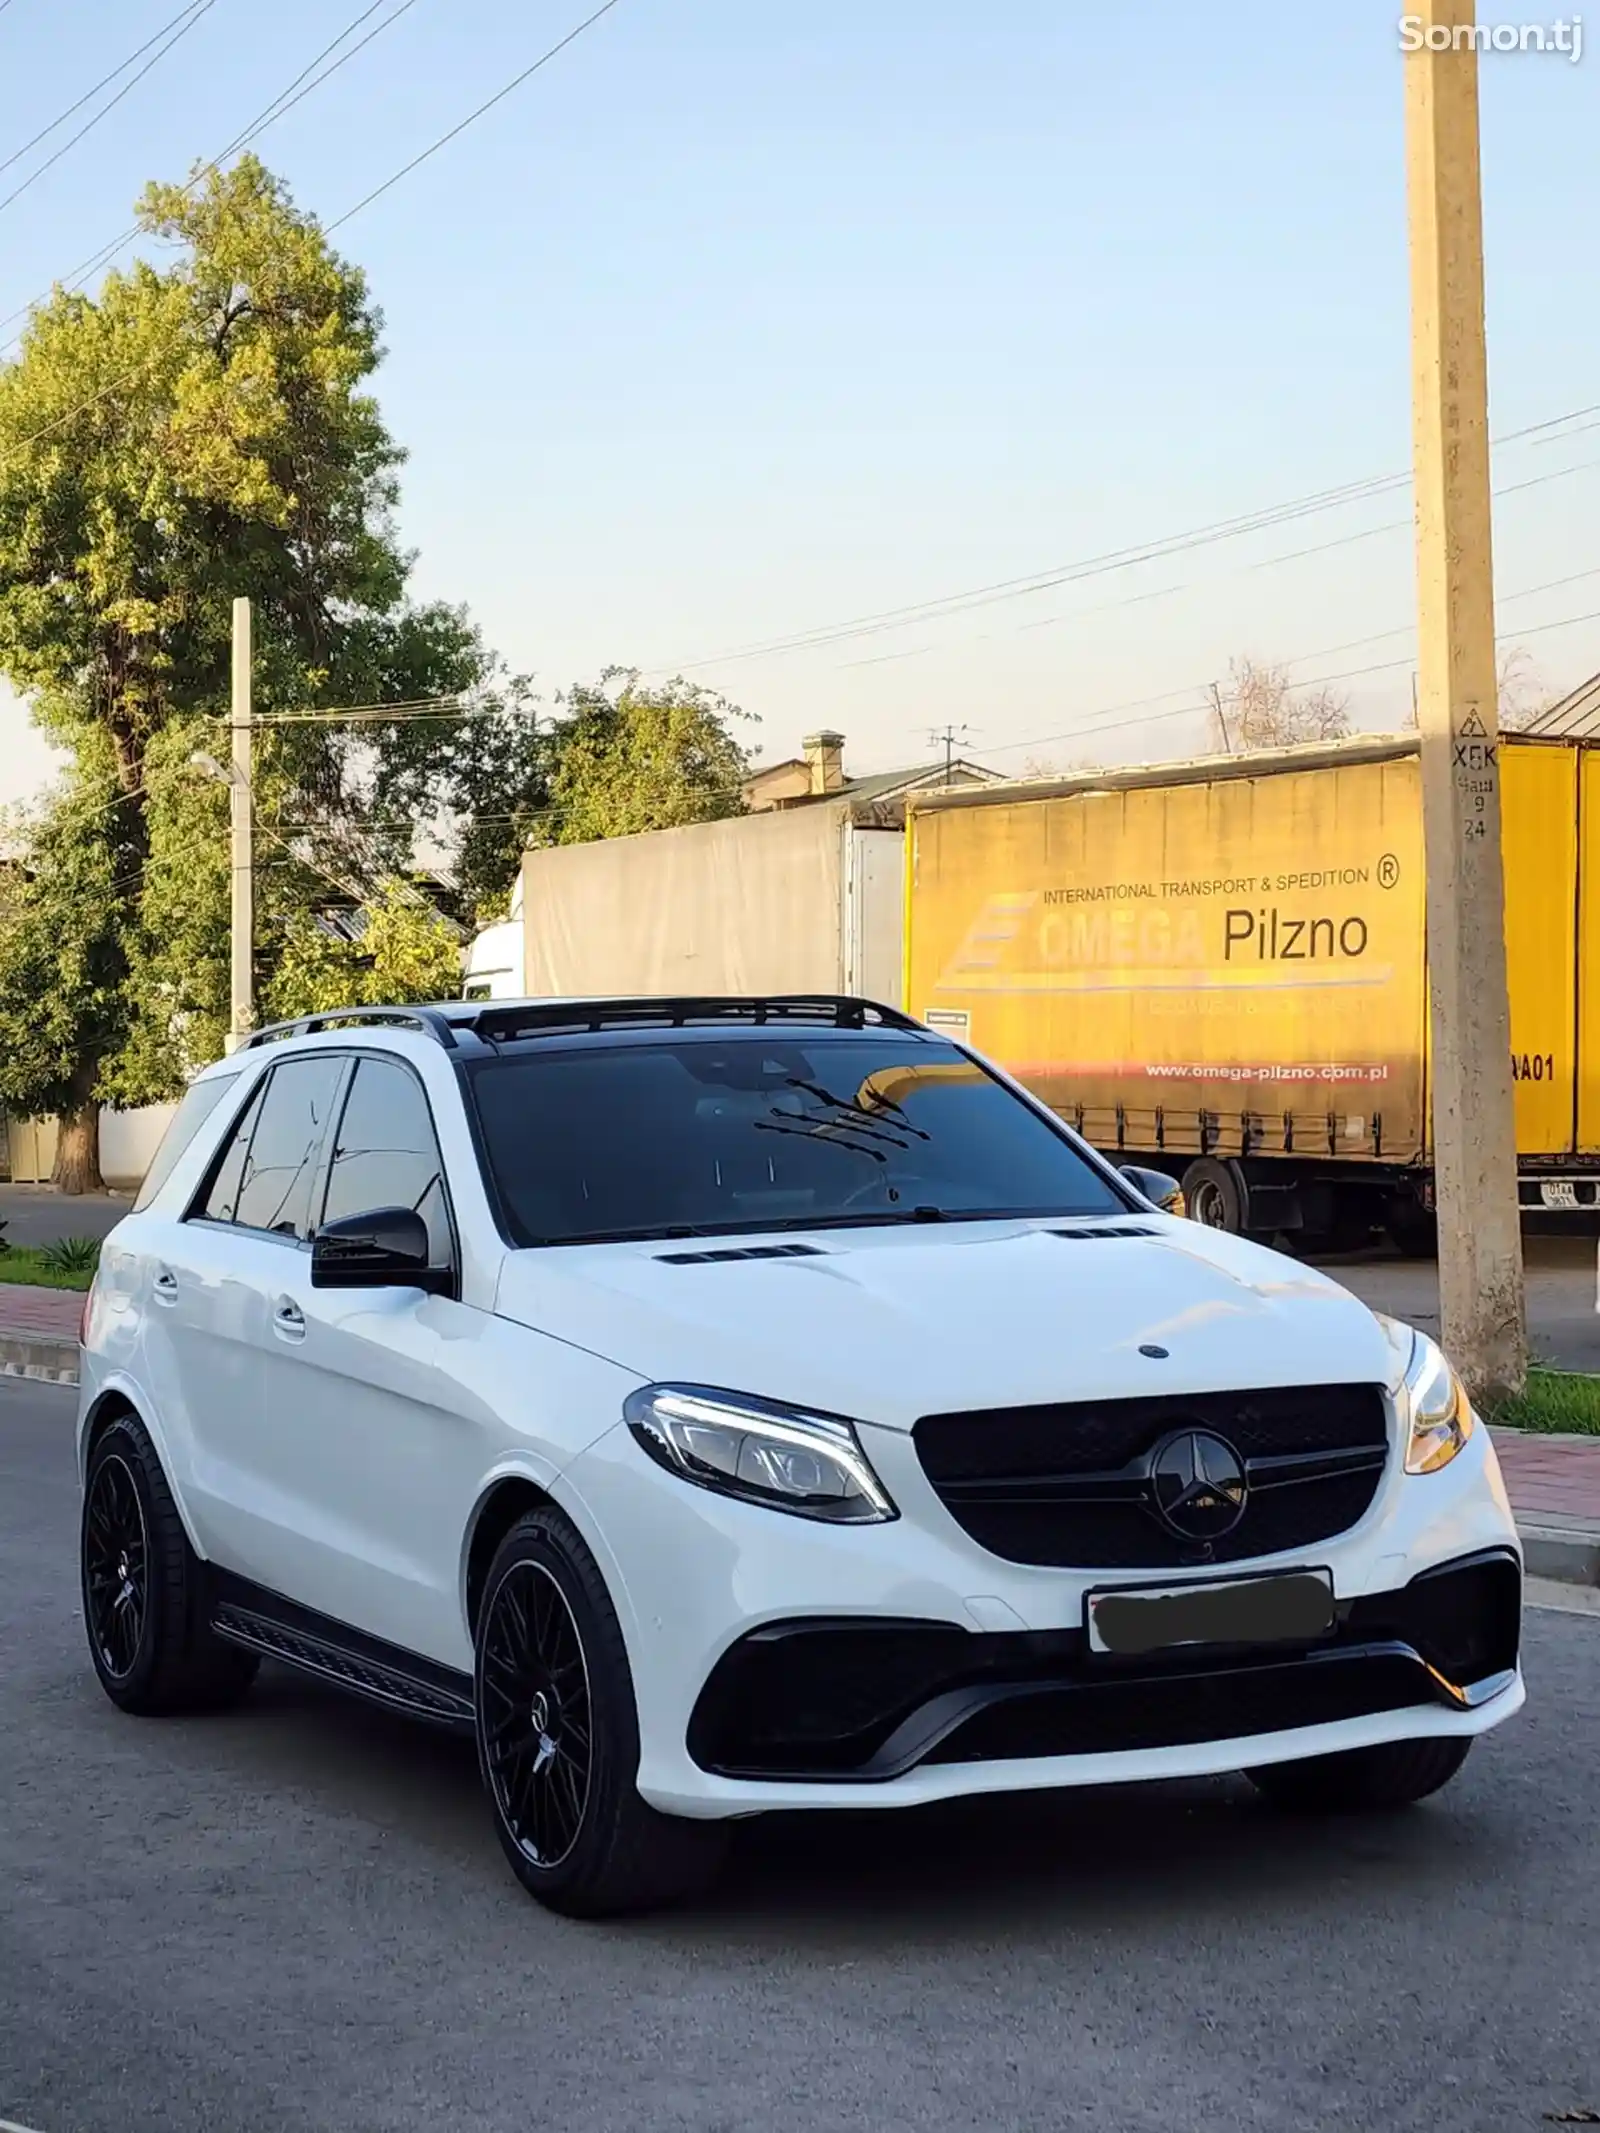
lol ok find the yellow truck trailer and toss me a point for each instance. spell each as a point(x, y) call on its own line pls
point(1219, 969)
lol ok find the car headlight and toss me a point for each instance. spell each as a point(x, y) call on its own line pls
point(811, 1465)
point(1433, 1401)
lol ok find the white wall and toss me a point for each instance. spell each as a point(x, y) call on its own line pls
point(128, 1140)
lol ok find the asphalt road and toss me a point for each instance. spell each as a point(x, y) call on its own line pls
point(1562, 1283)
point(33, 1214)
point(295, 1920)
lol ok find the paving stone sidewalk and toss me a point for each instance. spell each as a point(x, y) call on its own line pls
point(39, 1314)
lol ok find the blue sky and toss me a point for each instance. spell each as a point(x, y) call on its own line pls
point(746, 317)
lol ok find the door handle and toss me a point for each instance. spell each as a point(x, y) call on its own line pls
point(165, 1286)
point(288, 1320)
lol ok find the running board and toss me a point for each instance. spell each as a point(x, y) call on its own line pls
point(314, 1644)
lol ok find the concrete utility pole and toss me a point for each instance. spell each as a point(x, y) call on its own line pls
point(1474, 1131)
point(241, 942)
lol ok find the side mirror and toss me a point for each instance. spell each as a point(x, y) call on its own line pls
point(1157, 1187)
point(387, 1249)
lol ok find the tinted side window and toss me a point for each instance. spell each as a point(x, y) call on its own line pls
point(275, 1190)
point(385, 1154)
point(220, 1202)
point(199, 1101)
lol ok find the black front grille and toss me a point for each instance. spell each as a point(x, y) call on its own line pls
point(1063, 1485)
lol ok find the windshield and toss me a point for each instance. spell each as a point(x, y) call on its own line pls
point(689, 1137)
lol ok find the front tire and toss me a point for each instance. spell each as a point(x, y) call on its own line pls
point(1363, 1780)
point(558, 1737)
point(144, 1597)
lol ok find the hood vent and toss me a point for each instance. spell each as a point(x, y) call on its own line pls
point(740, 1251)
point(1120, 1229)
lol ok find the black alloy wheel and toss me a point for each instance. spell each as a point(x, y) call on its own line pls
point(558, 1736)
point(116, 1567)
point(537, 1727)
point(145, 1592)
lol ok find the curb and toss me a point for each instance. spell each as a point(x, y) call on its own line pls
point(1566, 1553)
point(45, 1361)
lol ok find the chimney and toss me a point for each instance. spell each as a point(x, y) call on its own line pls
point(824, 752)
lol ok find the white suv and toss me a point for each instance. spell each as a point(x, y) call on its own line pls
point(721, 1406)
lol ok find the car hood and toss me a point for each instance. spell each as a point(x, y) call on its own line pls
point(889, 1324)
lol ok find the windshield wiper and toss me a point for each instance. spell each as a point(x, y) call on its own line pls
point(857, 1115)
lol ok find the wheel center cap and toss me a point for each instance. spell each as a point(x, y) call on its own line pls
point(539, 1713)
point(122, 1567)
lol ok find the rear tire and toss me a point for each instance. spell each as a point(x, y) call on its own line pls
point(144, 1588)
point(558, 1737)
point(1215, 1195)
point(1414, 1232)
point(1362, 1780)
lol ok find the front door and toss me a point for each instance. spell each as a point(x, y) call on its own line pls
point(237, 1349)
point(374, 1430)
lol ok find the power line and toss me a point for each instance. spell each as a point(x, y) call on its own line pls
point(421, 707)
point(88, 95)
point(286, 99)
point(472, 117)
point(1195, 691)
point(448, 709)
point(194, 15)
point(1115, 559)
point(1270, 562)
point(543, 60)
point(281, 105)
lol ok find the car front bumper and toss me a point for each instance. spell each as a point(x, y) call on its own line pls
point(781, 1664)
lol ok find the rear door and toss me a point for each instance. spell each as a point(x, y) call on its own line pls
point(157, 1275)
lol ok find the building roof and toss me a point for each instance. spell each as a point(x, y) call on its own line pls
point(889, 782)
point(1575, 717)
point(884, 784)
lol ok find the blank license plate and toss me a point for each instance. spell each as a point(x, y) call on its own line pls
point(1286, 1608)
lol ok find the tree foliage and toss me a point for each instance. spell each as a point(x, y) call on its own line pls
point(629, 758)
point(406, 952)
point(188, 434)
point(488, 775)
point(62, 954)
point(1261, 708)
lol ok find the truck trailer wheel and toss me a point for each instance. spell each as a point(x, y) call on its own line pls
point(1414, 1231)
point(1216, 1195)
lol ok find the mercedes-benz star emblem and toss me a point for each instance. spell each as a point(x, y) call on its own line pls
point(1199, 1486)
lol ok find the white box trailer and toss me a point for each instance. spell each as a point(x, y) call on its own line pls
point(802, 899)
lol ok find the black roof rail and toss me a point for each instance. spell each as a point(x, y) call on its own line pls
point(552, 1017)
point(431, 1021)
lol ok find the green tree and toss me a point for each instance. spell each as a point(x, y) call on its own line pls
point(407, 951)
point(188, 434)
point(488, 774)
point(630, 758)
point(63, 961)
